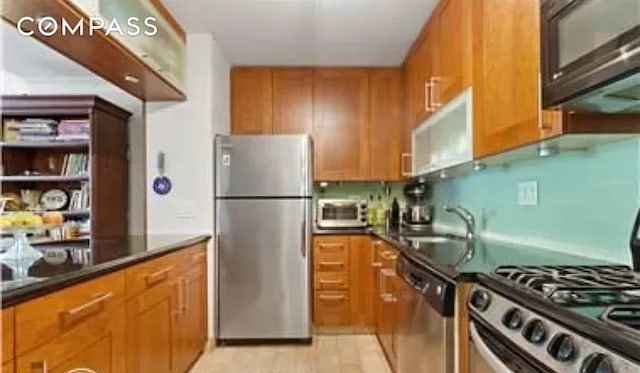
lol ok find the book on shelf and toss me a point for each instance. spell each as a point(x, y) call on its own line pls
point(80, 198)
point(44, 129)
point(73, 130)
point(30, 129)
point(75, 164)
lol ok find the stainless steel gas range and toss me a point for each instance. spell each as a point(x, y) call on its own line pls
point(582, 319)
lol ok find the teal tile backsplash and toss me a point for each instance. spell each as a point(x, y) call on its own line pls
point(586, 201)
point(359, 189)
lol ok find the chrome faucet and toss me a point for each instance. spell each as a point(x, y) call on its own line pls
point(467, 217)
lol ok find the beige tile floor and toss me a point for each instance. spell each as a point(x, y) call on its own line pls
point(328, 353)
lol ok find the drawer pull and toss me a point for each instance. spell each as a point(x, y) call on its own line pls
point(86, 309)
point(331, 282)
point(376, 264)
point(331, 297)
point(331, 246)
point(388, 255)
point(331, 263)
point(388, 298)
point(387, 272)
point(157, 277)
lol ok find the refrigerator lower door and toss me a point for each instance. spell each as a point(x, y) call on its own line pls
point(263, 266)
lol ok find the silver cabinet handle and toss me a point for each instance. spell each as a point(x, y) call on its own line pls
point(435, 103)
point(185, 288)
point(180, 310)
point(404, 173)
point(428, 93)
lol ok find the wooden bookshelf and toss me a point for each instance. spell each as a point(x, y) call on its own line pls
point(103, 156)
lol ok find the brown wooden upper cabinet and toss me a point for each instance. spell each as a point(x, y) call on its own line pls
point(493, 46)
point(438, 66)
point(251, 101)
point(292, 100)
point(386, 118)
point(341, 130)
point(355, 115)
point(150, 68)
point(506, 56)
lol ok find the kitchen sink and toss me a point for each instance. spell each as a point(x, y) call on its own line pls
point(430, 239)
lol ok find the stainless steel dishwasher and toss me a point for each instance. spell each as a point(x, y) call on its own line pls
point(425, 308)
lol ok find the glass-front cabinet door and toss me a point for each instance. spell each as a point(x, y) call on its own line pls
point(162, 52)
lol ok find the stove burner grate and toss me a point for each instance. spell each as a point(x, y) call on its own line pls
point(578, 285)
point(625, 317)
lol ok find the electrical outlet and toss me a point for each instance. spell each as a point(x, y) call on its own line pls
point(528, 193)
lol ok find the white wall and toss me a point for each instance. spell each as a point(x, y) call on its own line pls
point(185, 132)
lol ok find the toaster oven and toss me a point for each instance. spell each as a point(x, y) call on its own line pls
point(341, 213)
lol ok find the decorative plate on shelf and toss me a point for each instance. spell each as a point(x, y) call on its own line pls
point(54, 199)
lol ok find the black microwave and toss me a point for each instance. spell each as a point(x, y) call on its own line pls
point(591, 55)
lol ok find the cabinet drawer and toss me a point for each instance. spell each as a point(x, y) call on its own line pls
point(41, 320)
point(330, 280)
point(332, 308)
point(7, 334)
point(149, 274)
point(331, 253)
point(330, 263)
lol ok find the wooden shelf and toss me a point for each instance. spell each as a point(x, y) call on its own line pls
point(49, 240)
point(37, 179)
point(45, 144)
point(63, 212)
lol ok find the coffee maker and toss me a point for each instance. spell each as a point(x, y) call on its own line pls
point(418, 211)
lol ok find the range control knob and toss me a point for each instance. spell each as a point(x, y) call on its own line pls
point(535, 331)
point(513, 319)
point(480, 300)
point(596, 363)
point(562, 347)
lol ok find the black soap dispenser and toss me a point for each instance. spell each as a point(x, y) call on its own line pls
point(635, 244)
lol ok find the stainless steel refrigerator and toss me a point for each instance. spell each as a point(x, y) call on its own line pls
point(263, 223)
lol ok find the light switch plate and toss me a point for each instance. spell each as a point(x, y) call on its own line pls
point(186, 210)
point(528, 193)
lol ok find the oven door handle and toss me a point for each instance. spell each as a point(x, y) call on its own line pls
point(491, 359)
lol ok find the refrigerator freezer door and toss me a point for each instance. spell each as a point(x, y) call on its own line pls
point(263, 166)
point(263, 266)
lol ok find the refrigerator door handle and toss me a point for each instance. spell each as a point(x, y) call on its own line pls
point(303, 235)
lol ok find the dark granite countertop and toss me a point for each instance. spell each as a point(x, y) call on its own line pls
point(342, 231)
point(457, 260)
point(64, 266)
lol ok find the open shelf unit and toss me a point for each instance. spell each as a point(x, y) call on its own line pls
point(94, 169)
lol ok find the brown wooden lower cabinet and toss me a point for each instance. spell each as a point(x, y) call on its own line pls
point(147, 318)
point(8, 338)
point(343, 283)
point(332, 308)
point(149, 329)
point(79, 327)
point(387, 286)
point(189, 335)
